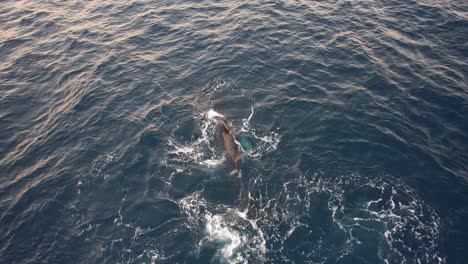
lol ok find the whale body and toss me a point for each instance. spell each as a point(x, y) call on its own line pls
point(234, 158)
point(233, 155)
point(230, 148)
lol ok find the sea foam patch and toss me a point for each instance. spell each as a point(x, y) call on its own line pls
point(321, 217)
point(233, 237)
point(206, 151)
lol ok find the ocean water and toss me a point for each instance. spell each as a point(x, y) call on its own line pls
point(350, 117)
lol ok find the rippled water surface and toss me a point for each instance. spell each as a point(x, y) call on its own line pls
point(350, 118)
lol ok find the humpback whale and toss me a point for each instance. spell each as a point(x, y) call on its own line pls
point(232, 155)
point(235, 159)
point(231, 150)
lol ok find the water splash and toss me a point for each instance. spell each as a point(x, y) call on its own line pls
point(265, 141)
point(333, 218)
point(236, 238)
point(206, 151)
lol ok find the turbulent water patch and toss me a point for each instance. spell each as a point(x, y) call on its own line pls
point(340, 218)
point(224, 234)
point(319, 218)
point(206, 150)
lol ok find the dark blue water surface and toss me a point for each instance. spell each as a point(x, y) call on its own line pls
point(351, 117)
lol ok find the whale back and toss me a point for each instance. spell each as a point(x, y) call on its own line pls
point(230, 146)
point(234, 158)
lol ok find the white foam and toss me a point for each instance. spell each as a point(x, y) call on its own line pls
point(238, 238)
point(266, 140)
point(414, 219)
point(212, 115)
point(212, 163)
point(183, 150)
point(201, 151)
point(218, 230)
